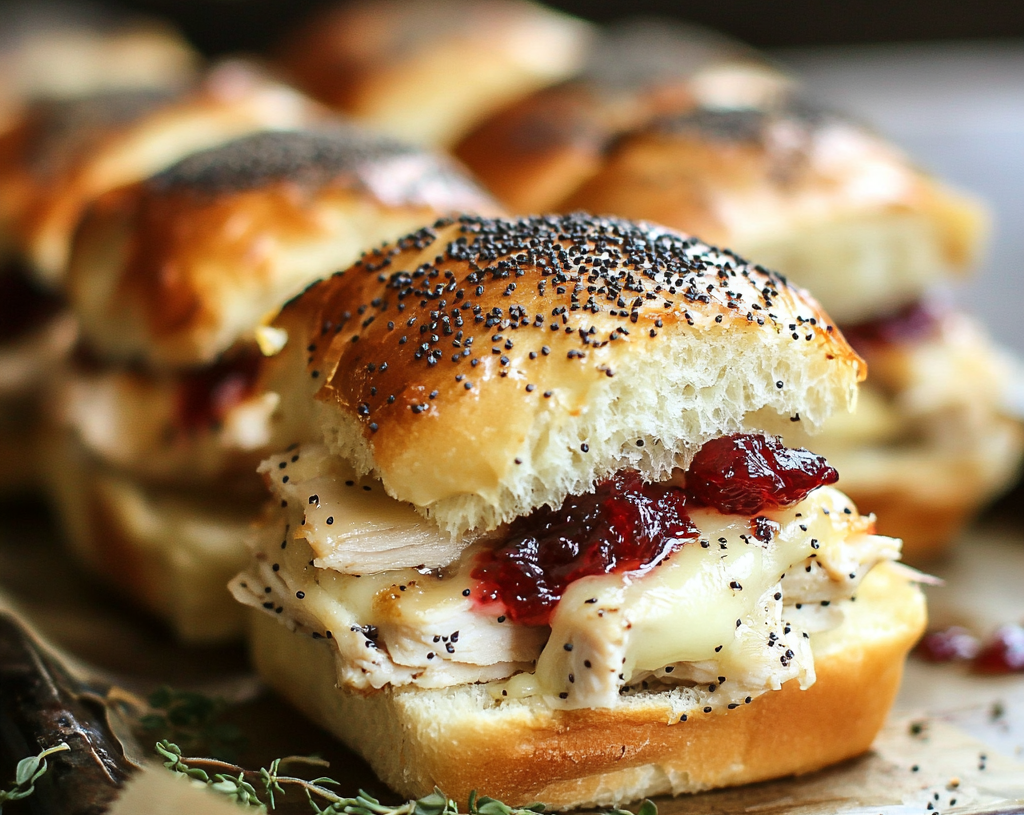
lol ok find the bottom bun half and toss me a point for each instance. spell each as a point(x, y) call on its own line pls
point(926, 497)
point(461, 739)
point(171, 552)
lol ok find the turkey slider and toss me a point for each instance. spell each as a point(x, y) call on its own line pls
point(535, 536)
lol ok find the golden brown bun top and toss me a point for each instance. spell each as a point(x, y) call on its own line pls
point(537, 150)
point(426, 70)
point(764, 181)
point(63, 153)
point(336, 153)
point(482, 368)
point(244, 226)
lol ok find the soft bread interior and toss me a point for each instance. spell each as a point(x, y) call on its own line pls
point(461, 738)
point(663, 403)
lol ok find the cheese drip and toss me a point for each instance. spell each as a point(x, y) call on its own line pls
point(732, 604)
point(719, 607)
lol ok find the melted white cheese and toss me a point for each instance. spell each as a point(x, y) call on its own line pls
point(718, 604)
point(400, 606)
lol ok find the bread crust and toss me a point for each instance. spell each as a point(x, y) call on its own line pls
point(764, 182)
point(550, 143)
point(417, 349)
point(62, 154)
point(308, 202)
point(534, 153)
point(427, 71)
point(461, 741)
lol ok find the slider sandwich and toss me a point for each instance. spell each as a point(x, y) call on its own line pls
point(428, 70)
point(840, 211)
point(56, 157)
point(49, 52)
point(534, 535)
point(163, 419)
point(746, 164)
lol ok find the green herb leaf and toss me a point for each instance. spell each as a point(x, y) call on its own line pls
point(28, 771)
point(491, 806)
point(234, 782)
point(192, 720)
point(433, 804)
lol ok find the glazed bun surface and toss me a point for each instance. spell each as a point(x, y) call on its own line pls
point(482, 368)
point(427, 70)
point(65, 153)
point(245, 226)
point(805, 191)
point(535, 152)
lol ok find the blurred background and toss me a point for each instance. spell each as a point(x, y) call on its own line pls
point(944, 78)
point(224, 25)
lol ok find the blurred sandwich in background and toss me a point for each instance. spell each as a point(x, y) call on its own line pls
point(703, 136)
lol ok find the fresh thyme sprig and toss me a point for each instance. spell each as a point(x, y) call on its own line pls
point(648, 807)
point(233, 781)
point(192, 720)
point(29, 770)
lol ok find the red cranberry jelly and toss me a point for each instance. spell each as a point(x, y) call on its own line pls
point(206, 396)
point(624, 525)
point(746, 473)
point(912, 322)
point(948, 645)
point(1004, 653)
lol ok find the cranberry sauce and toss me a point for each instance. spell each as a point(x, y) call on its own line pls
point(910, 323)
point(623, 526)
point(953, 644)
point(1003, 653)
point(746, 473)
point(206, 396)
point(626, 525)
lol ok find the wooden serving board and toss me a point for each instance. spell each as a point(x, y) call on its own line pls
point(954, 744)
